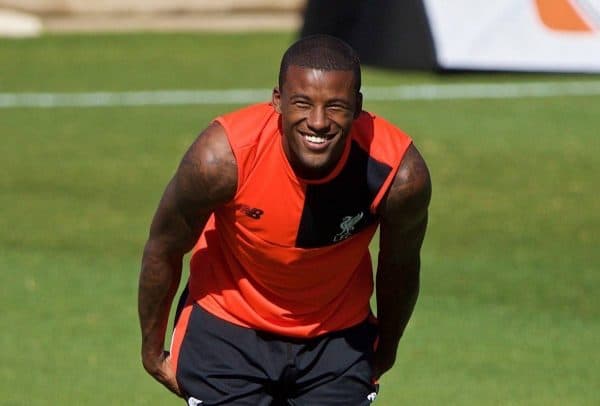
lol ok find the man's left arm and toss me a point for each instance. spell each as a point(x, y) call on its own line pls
point(403, 215)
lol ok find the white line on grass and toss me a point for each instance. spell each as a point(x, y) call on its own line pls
point(242, 96)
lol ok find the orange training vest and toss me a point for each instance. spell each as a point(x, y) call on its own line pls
point(289, 256)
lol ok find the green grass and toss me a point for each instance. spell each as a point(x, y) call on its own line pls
point(509, 311)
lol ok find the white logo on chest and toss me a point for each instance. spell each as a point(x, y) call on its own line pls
point(347, 225)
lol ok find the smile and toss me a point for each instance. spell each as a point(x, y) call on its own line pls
point(315, 139)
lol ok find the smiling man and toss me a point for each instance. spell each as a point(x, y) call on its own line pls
point(278, 203)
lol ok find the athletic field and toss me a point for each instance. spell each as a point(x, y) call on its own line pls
point(509, 312)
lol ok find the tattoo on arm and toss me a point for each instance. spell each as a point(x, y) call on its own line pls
point(403, 225)
point(205, 179)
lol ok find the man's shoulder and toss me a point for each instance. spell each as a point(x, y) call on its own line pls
point(410, 191)
point(245, 126)
point(252, 113)
point(383, 140)
point(369, 122)
point(207, 174)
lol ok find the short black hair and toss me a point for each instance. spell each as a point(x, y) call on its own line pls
point(322, 52)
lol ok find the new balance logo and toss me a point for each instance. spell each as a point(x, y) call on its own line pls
point(251, 212)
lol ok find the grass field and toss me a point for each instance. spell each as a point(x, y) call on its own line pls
point(509, 312)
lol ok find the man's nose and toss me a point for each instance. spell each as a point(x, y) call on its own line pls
point(317, 120)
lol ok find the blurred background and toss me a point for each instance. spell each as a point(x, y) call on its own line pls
point(99, 100)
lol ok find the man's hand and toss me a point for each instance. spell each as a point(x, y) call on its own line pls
point(383, 360)
point(161, 370)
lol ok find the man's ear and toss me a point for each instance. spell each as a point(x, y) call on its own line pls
point(359, 101)
point(276, 99)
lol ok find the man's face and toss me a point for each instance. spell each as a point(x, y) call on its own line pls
point(317, 109)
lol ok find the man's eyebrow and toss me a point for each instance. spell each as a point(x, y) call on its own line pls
point(299, 96)
point(340, 101)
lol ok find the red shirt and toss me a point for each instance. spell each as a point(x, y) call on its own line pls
point(287, 255)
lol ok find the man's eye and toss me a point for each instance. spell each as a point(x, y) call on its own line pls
point(337, 107)
point(301, 104)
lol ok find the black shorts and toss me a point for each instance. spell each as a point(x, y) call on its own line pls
point(220, 363)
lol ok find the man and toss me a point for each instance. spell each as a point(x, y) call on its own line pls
point(278, 203)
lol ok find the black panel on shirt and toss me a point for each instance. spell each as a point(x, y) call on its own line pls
point(335, 210)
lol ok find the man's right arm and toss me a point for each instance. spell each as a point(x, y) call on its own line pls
point(205, 179)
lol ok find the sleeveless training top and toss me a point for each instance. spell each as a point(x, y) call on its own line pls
point(290, 256)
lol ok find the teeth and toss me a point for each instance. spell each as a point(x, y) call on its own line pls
point(315, 140)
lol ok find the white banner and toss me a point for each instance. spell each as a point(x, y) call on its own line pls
point(527, 35)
